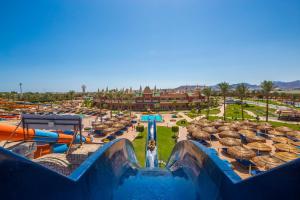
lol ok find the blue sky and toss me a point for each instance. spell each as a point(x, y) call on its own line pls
point(58, 45)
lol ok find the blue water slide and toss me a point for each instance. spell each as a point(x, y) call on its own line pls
point(151, 156)
point(192, 172)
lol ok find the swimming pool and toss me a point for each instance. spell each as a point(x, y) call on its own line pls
point(145, 118)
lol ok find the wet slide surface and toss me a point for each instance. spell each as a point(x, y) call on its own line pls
point(112, 172)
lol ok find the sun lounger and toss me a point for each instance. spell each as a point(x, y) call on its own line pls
point(224, 150)
point(255, 172)
point(227, 163)
point(245, 163)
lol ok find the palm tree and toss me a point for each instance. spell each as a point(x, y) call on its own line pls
point(111, 97)
point(83, 87)
point(242, 90)
point(267, 87)
point(207, 91)
point(21, 90)
point(224, 89)
point(100, 96)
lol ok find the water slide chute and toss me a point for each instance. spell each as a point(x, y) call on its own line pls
point(37, 135)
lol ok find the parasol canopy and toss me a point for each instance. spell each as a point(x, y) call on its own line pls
point(118, 125)
point(255, 138)
point(286, 148)
point(286, 156)
point(109, 130)
point(210, 130)
point(293, 133)
point(244, 127)
point(276, 133)
point(259, 146)
point(283, 140)
point(240, 152)
point(267, 162)
point(101, 127)
point(224, 128)
point(124, 122)
point(295, 143)
point(283, 129)
point(201, 135)
point(217, 124)
point(264, 128)
point(230, 134)
point(230, 142)
point(109, 123)
point(247, 133)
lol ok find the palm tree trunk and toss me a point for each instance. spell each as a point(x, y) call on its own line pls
point(224, 115)
point(242, 106)
point(208, 107)
point(267, 110)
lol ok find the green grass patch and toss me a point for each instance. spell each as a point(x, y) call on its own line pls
point(165, 142)
point(233, 111)
point(292, 126)
point(139, 144)
point(182, 122)
point(260, 111)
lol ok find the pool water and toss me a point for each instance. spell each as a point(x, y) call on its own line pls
point(146, 118)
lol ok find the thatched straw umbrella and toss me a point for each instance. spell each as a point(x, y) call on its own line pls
point(293, 133)
point(259, 146)
point(109, 130)
point(267, 162)
point(234, 126)
point(286, 148)
point(192, 128)
point(240, 152)
point(217, 124)
point(286, 156)
point(283, 129)
point(245, 128)
point(124, 122)
point(247, 133)
point(109, 123)
point(114, 119)
point(255, 138)
point(210, 130)
point(283, 140)
point(203, 124)
point(224, 128)
point(295, 143)
point(230, 142)
point(230, 134)
point(118, 125)
point(276, 133)
point(101, 127)
point(264, 128)
point(201, 135)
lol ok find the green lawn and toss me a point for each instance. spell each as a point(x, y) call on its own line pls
point(260, 111)
point(165, 144)
point(212, 111)
point(182, 122)
point(139, 145)
point(233, 111)
point(292, 126)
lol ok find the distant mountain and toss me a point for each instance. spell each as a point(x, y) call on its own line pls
point(278, 84)
point(287, 85)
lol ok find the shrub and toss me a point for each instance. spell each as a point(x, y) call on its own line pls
point(140, 128)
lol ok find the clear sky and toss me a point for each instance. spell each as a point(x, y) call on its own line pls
point(58, 45)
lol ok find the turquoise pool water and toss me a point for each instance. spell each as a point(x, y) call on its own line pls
point(145, 118)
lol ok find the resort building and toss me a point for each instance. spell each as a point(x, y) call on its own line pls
point(148, 99)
